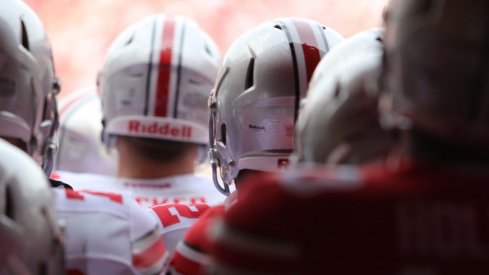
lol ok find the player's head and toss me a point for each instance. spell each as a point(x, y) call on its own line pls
point(28, 115)
point(255, 101)
point(80, 146)
point(437, 69)
point(362, 43)
point(30, 238)
point(155, 83)
point(338, 122)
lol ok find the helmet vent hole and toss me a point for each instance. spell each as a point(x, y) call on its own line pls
point(278, 27)
point(25, 37)
point(249, 74)
point(337, 90)
point(324, 27)
point(379, 39)
point(129, 41)
point(207, 49)
point(9, 207)
point(223, 133)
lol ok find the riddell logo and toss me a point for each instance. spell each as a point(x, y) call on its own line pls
point(165, 129)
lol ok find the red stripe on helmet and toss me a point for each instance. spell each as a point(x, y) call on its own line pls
point(165, 68)
point(310, 48)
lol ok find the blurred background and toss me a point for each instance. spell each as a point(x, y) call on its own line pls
point(81, 30)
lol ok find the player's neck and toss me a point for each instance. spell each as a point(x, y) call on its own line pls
point(138, 168)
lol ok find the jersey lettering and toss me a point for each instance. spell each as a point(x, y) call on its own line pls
point(78, 195)
point(171, 214)
point(143, 200)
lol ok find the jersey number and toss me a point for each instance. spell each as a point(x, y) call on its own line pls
point(170, 214)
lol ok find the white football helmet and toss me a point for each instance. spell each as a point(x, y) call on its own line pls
point(256, 98)
point(436, 70)
point(30, 237)
point(339, 121)
point(80, 145)
point(27, 83)
point(156, 80)
point(361, 43)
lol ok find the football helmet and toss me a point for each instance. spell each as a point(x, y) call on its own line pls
point(338, 121)
point(255, 101)
point(438, 84)
point(28, 84)
point(30, 237)
point(80, 146)
point(156, 80)
point(364, 42)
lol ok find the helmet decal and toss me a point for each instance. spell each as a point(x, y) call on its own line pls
point(304, 46)
point(166, 60)
point(339, 122)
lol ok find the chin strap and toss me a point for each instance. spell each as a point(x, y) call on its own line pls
point(213, 162)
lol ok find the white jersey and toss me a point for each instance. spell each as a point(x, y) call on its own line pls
point(183, 189)
point(175, 220)
point(108, 233)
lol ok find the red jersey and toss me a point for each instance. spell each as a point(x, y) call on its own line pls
point(191, 254)
point(416, 219)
